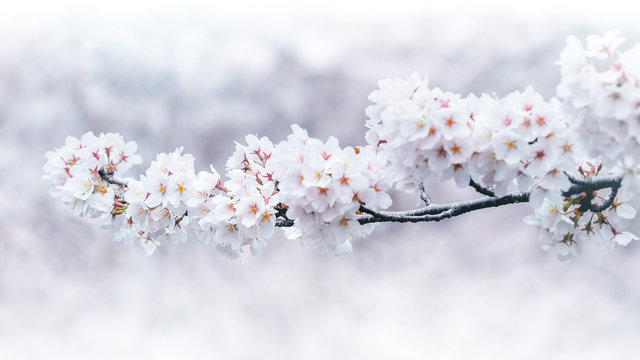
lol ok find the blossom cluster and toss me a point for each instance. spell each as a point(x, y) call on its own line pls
point(519, 140)
point(245, 213)
point(173, 202)
point(566, 223)
point(324, 186)
point(601, 89)
point(74, 170)
point(159, 202)
point(600, 86)
point(425, 133)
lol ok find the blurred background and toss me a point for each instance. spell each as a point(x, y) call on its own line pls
point(204, 74)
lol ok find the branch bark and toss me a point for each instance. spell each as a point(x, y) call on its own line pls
point(437, 212)
point(423, 195)
point(481, 189)
point(108, 177)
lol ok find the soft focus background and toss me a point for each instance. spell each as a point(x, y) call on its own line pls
point(169, 73)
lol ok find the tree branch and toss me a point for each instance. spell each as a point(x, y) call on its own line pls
point(441, 212)
point(108, 177)
point(481, 189)
point(592, 184)
point(598, 208)
point(283, 222)
point(437, 212)
point(281, 216)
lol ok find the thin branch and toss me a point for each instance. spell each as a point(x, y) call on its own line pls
point(585, 203)
point(589, 186)
point(423, 195)
point(281, 222)
point(598, 208)
point(592, 184)
point(378, 215)
point(481, 189)
point(281, 216)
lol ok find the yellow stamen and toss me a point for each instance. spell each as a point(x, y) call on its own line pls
point(567, 148)
point(266, 217)
point(450, 121)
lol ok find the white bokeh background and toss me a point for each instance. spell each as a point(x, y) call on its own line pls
point(203, 74)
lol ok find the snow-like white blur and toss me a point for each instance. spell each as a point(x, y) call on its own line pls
point(169, 73)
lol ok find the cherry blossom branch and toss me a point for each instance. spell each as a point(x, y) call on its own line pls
point(317, 180)
point(437, 212)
